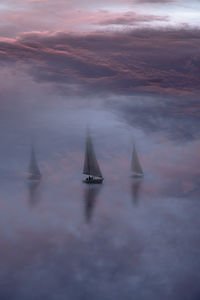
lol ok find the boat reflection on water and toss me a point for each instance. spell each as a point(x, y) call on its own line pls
point(136, 184)
point(136, 176)
point(91, 191)
point(34, 178)
point(34, 192)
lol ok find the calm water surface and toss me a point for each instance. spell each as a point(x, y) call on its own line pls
point(127, 239)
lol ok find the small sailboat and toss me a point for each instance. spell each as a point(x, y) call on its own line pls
point(135, 165)
point(91, 166)
point(34, 171)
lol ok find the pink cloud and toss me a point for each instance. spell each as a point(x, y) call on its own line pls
point(129, 18)
point(160, 61)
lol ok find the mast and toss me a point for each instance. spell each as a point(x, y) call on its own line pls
point(91, 166)
point(135, 163)
point(33, 166)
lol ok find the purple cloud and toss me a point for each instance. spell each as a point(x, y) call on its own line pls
point(130, 18)
point(138, 61)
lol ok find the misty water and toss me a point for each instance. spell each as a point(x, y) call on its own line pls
point(124, 239)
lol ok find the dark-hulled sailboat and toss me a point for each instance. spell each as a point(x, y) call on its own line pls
point(34, 171)
point(135, 165)
point(91, 167)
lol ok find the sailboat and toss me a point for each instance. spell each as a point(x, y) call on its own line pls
point(135, 165)
point(34, 171)
point(91, 166)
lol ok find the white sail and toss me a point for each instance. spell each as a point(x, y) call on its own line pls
point(135, 164)
point(91, 166)
point(33, 166)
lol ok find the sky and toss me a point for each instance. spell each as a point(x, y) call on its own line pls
point(117, 46)
point(96, 52)
point(20, 16)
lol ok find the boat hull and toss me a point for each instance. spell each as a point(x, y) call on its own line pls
point(137, 175)
point(34, 177)
point(92, 180)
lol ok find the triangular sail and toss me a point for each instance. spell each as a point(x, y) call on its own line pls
point(135, 164)
point(91, 166)
point(33, 166)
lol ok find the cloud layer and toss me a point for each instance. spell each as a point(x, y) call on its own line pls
point(138, 61)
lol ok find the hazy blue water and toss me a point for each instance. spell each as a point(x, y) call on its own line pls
point(126, 239)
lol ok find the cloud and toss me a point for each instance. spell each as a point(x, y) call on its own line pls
point(130, 18)
point(61, 17)
point(137, 61)
point(156, 1)
point(177, 118)
point(85, 16)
